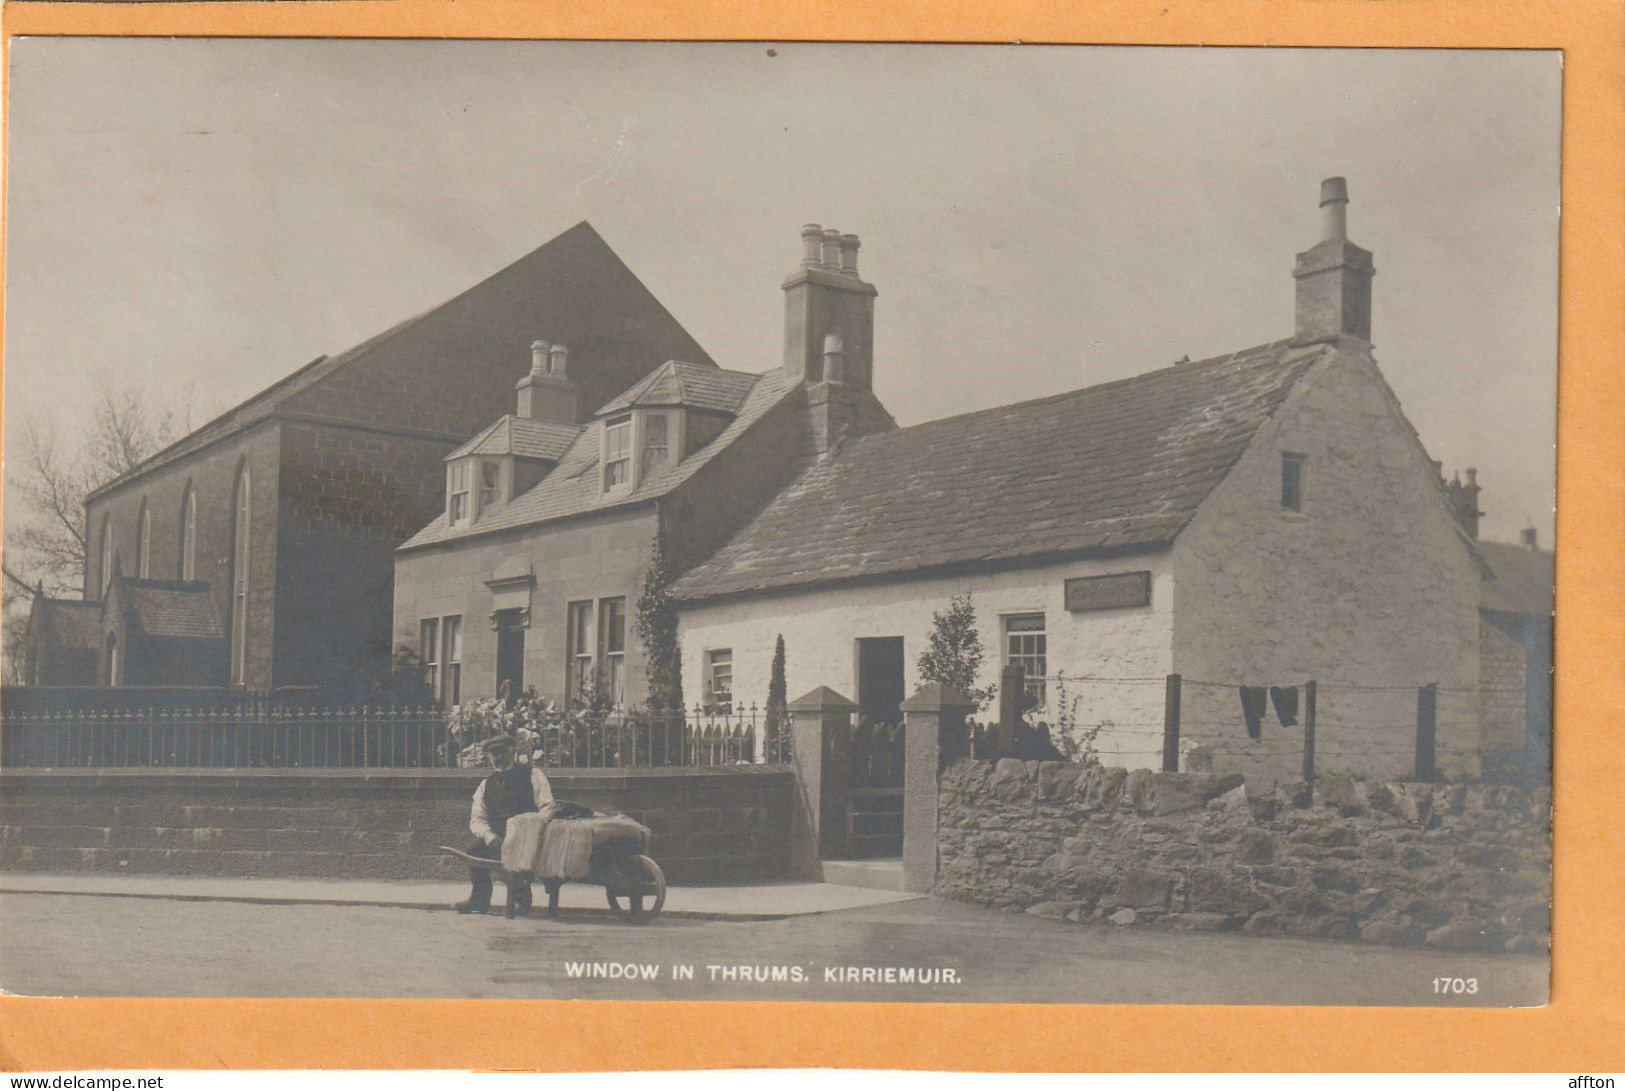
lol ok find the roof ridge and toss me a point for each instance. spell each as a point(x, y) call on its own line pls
point(1182, 367)
point(353, 352)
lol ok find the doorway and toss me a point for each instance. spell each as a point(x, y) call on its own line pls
point(880, 679)
point(510, 653)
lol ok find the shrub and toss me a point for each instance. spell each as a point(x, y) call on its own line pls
point(955, 656)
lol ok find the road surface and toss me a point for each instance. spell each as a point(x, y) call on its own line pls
point(87, 945)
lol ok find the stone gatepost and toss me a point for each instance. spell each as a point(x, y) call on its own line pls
point(821, 724)
point(933, 735)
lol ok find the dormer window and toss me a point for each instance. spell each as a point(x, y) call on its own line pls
point(656, 442)
point(490, 484)
point(457, 492)
point(618, 453)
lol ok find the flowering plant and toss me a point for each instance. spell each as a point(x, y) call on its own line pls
point(544, 733)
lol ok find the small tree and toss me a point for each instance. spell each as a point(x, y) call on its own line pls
point(657, 630)
point(776, 728)
point(955, 656)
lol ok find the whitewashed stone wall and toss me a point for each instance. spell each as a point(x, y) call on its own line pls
point(821, 627)
point(1369, 586)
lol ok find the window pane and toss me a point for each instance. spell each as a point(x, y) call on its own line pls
point(426, 652)
point(1026, 644)
point(614, 625)
point(578, 671)
point(656, 432)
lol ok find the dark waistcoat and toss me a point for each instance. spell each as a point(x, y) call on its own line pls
point(507, 793)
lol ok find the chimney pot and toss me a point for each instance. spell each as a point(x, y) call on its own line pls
point(849, 255)
point(558, 361)
point(831, 258)
point(812, 242)
point(1334, 201)
point(1472, 477)
point(538, 357)
point(1529, 538)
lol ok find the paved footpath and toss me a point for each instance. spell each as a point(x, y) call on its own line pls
point(747, 901)
point(95, 945)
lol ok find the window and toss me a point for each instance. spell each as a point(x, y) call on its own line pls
point(490, 485)
point(656, 441)
point(239, 580)
point(1024, 643)
point(189, 535)
point(143, 557)
point(719, 679)
point(612, 634)
point(451, 670)
point(1291, 482)
point(107, 554)
point(457, 492)
point(578, 645)
point(617, 453)
point(429, 652)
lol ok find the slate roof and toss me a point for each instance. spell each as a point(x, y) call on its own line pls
point(572, 487)
point(172, 608)
point(548, 269)
point(72, 623)
point(1119, 466)
point(678, 382)
point(523, 437)
point(1522, 579)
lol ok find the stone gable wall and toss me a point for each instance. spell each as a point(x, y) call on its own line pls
point(1463, 866)
point(1368, 589)
point(349, 497)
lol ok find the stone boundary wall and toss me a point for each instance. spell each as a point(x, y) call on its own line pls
point(727, 824)
point(1464, 866)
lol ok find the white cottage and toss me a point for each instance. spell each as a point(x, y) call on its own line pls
point(1258, 519)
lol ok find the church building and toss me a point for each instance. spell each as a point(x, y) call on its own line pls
point(281, 516)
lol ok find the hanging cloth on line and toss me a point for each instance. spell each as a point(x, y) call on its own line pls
point(1285, 700)
point(1254, 704)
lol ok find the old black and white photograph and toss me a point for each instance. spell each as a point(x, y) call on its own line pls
point(778, 522)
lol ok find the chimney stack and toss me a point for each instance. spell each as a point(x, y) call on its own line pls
point(1464, 499)
point(1528, 536)
point(826, 303)
point(1334, 276)
point(547, 393)
point(834, 359)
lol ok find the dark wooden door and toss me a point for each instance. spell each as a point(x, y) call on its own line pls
point(880, 679)
point(511, 661)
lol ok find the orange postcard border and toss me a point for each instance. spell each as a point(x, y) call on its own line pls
point(1584, 1025)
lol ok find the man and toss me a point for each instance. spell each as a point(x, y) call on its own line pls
point(510, 790)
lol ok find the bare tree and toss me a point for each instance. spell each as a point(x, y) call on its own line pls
point(46, 540)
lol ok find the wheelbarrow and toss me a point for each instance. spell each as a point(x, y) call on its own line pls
point(633, 883)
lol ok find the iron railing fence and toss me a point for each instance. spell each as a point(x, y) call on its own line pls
point(367, 737)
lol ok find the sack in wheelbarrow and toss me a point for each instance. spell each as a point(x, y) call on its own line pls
point(561, 848)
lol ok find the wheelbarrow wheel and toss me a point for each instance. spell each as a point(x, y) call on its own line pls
point(637, 891)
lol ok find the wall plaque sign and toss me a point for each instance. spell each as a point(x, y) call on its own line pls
point(1111, 592)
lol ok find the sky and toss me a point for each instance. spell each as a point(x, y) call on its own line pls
point(198, 218)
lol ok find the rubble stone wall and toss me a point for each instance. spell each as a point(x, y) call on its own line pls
point(1449, 865)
